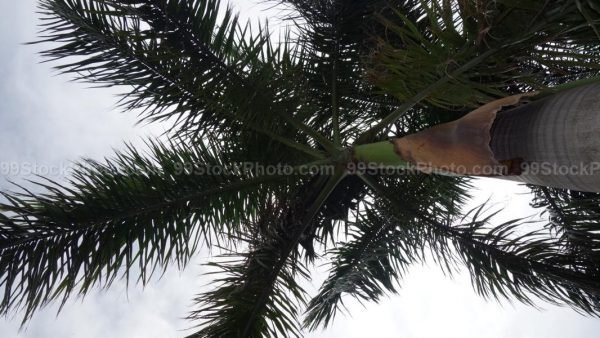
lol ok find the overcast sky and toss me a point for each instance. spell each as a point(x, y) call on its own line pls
point(47, 121)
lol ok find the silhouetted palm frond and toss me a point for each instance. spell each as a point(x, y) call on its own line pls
point(134, 211)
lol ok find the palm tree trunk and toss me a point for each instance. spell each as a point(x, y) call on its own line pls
point(557, 139)
point(554, 142)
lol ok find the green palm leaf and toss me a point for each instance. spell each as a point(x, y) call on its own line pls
point(184, 63)
point(382, 244)
point(507, 261)
point(132, 211)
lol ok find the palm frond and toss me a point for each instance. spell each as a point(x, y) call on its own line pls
point(510, 261)
point(186, 62)
point(335, 37)
point(511, 264)
point(259, 295)
point(140, 44)
point(459, 54)
point(573, 218)
point(250, 301)
point(383, 243)
point(132, 211)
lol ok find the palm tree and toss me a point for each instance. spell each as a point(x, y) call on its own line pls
point(317, 104)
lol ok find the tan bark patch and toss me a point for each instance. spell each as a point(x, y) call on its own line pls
point(462, 146)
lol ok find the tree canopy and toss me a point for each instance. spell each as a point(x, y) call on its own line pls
point(344, 73)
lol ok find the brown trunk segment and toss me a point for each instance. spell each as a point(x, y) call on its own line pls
point(460, 147)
